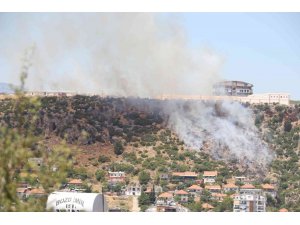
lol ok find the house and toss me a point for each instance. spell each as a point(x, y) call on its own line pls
point(207, 207)
point(230, 187)
point(218, 196)
point(210, 176)
point(213, 188)
point(269, 189)
point(184, 176)
point(182, 195)
point(75, 184)
point(165, 198)
point(36, 193)
point(157, 189)
point(133, 189)
point(247, 188)
point(116, 177)
point(195, 189)
point(21, 192)
point(250, 201)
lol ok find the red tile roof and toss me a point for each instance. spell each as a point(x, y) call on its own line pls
point(165, 195)
point(210, 173)
point(213, 187)
point(75, 181)
point(248, 186)
point(195, 187)
point(181, 192)
point(283, 210)
point(21, 190)
point(267, 186)
point(36, 191)
point(185, 174)
point(149, 190)
point(230, 185)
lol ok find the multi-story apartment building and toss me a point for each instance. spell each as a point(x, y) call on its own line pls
point(249, 200)
point(210, 176)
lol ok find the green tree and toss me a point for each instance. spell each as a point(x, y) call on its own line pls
point(288, 125)
point(225, 206)
point(18, 143)
point(206, 196)
point(118, 148)
point(144, 177)
point(144, 199)
point(100, 175)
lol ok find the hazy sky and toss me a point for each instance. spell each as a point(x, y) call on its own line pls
point(259, 48)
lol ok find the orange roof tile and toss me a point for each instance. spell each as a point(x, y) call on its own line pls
point(37, 191)
point(210, 173)
point(75, 181)
point(185, 174)
point(267, 186)
point(283, 210)
point(165, 195)
point(207, 206)
point(195, 187)
point(248, 186)
point(149, 190)
point(181, 192)
point(230, 185)
point(21, 190)
point(213, 187)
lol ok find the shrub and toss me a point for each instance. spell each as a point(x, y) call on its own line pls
point(103, 159)
point(144, 177)
point(118, 148)
point(288, 126)
point(100, 175)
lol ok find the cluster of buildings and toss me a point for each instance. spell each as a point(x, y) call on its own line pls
point(223, 91)
point(235, 91)
point(246, 197)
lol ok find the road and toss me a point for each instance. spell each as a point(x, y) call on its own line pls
point(135, 204)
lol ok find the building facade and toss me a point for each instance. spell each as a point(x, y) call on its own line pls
point(133, 189)
point(250, 200)
point(233, 88)
point(210, 176)
point(115, 177)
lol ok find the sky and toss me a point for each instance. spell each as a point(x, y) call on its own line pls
point(259, 48)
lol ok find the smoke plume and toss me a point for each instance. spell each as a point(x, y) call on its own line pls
point(120, 54)
point(133, 54)
point(225, 128)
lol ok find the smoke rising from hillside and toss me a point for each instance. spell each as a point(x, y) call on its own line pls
point(226, 127)
point(133, 54)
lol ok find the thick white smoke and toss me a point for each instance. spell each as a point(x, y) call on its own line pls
point(121, 54)
point(227, 127)
point(131, 54)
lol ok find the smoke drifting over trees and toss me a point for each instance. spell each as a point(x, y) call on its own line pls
point(227, 127)
point(130, 54)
